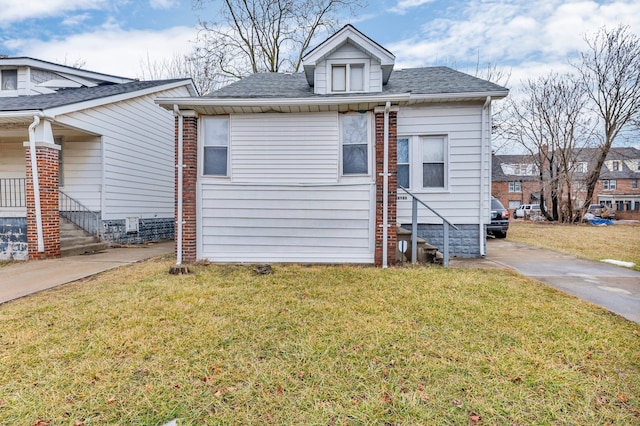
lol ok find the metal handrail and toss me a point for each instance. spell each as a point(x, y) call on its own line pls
point(13, 192)
point(414, 229)
point(76, 213)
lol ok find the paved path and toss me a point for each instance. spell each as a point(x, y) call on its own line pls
point(613, 287)
point(26, 278)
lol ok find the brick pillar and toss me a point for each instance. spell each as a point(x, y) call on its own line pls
point(47, 163)
point(189, 180)
point(393, 187)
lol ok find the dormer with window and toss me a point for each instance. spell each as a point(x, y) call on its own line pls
point(348, 62)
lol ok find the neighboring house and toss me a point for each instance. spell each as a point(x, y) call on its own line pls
point(516, 180)
point(304, 167)
point(97, 138)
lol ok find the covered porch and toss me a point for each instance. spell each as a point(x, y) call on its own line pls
point(63, 179)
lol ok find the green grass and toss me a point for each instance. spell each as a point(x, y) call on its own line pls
point(619, 242)
point(315, 345)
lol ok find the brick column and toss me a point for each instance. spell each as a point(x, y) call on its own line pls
point(393, 187)
point(189, 180)
point(47, 163)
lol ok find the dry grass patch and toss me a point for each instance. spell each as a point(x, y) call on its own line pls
point(315, 345)
point(619, 242)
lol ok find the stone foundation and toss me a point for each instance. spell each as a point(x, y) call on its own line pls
point(463, 243)
point(13, 238)
point(150, 230)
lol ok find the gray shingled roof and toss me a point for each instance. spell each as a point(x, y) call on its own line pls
point(72, 96)
point(431, 80)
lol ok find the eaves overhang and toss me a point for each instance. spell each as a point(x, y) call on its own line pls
point(213, 106)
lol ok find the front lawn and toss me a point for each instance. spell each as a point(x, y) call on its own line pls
point(315, 345)
point(618, 242)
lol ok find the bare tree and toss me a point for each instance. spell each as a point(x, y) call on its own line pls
point(205, 75)
point(266, 35)
point(610, 69)
point(549, 122)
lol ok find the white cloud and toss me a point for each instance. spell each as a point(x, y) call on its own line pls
point(110, 50)
point(403, 5)
point(162, 4)
point(19, 10)
point(531, 37)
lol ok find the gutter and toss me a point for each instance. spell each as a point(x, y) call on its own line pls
point(483, 137)
point(36, 182)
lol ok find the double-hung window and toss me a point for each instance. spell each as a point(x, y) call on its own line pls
point(9, 80)
point(609, 185)
point(434, 156)
point(355, 144)
point(404, 170)
point(515, 186)
point(347, 77)
point(216, 146)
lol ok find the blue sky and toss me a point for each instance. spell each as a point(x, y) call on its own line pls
point(527, 37)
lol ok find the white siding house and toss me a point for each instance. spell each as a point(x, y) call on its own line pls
point(305, 167)
point(114, 150)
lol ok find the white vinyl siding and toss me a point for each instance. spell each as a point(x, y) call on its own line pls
point(284, 148)
point(82, 170)
point(138, 155)
point(461, 123)
point(286, 223)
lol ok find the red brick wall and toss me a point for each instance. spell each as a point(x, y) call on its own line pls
point(189, 179)
point(47, 163)
point(500, 190)
point(393, 185)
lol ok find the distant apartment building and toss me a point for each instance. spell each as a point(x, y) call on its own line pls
point(516, 180)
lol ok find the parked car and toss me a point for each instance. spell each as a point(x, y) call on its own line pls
point(602, 211)
point(526, 210)
point(499, 219)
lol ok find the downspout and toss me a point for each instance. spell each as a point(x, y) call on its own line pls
point(385, 187)
point(483, 139)
point(179, 168)
point(36, 182)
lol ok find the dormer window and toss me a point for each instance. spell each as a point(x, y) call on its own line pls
point(347, 77)
point(9, 80)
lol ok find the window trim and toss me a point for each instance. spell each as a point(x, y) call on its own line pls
point(1, 80)
point(513, 184)
point(446, 161)
point(408, 163)
point(201, 149)
point(634, 183)
point(607, 184)
point(370, 134)
point(347, 64)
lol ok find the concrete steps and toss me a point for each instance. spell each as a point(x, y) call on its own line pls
point(426, 252)
point(75, 241)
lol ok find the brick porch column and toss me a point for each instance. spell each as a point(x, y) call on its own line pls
point(47, 163)
point(189, 180)
point(393, 187)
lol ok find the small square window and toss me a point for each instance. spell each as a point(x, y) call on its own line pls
point(9, 80)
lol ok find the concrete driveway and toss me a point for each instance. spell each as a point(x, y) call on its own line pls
point(26, 278)
point(613, 287)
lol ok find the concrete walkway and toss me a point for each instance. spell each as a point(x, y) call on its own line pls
point(26, 278)
point(613, 287)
